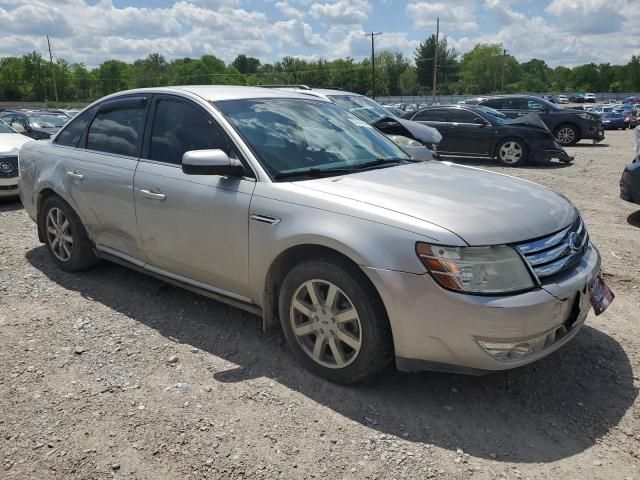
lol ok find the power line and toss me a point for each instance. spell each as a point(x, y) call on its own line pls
point(53, 72)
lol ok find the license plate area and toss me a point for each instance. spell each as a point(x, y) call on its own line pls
point(600, 295)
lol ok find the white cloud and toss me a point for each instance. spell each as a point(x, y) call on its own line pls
point(289, 11)
point(341, 12)
point(459, 15)
point(296, 32)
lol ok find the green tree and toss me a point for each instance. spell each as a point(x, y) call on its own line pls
point(246, 65)
point(481, 69)
point(35, 75)
point(11, 81)
point(112, 76)
point(408, 82)
point(447, 62)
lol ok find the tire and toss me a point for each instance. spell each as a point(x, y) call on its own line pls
point(319, 342)
point(567, 135)
point(72, 251)
point(512, 152)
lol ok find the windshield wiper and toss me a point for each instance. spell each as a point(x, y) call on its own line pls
point(316, 172)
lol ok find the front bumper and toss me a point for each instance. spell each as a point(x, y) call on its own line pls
point(435, 329)
point(593, 132)
point(8, 187)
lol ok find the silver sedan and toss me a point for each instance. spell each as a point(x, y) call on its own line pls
point(296, 210)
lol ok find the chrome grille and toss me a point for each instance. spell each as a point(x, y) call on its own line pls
point(556, 252)
point(8, 167)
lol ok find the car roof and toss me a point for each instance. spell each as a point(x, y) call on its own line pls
point(217, 93)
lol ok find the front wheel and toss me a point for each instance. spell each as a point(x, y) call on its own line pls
point(335, 325)
point(566, 135)
point(512, 152)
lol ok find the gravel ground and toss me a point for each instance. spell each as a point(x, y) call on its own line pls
point(111, 374)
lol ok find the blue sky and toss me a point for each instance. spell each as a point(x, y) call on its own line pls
point(566, 32)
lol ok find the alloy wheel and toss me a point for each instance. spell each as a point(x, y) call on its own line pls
point(510, 152)
point(326, 324)
point(566, 135)
point(59, 234)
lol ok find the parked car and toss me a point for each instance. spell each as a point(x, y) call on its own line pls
point(569, 126)
point(563, 99)
point(613, 121)
point(36, 125)
point(632, 99)
point(418, 140)
point(630, 181)
point(550, 98)
point(590, 98)
point(294, 209)
point(10, 143)
point(477, 131)
point(576, 98)
point(631, 118)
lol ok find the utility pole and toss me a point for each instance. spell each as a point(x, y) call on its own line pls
point(435, 60)
point(53, 73)
point(504, 57)
point(373, 35)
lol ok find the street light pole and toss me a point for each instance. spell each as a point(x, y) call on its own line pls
point(373, 35)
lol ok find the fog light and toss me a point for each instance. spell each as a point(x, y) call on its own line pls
point(510, 351)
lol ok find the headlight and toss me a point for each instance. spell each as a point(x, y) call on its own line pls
point(488, 270)
point(586, 116)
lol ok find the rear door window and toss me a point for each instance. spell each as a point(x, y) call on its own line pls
point(497, 103)
point(117, 131)
point(72, 133)
point(432, 115)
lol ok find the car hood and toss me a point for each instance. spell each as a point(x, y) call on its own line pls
point(481, 207)
point(408, 128)
point(10, 143)
point(530, 119)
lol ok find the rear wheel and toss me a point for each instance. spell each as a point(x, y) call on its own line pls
point(65, 237)
point(336, 327)
point(512, 152)
point(566, 135)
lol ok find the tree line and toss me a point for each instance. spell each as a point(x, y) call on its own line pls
point(487, 68)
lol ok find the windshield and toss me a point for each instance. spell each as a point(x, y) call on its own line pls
point(362, 106)
point(494, 116)
point(295, 135)
point(46, 121)
point(4, 128)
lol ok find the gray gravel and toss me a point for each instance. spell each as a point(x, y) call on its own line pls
point(111, 374)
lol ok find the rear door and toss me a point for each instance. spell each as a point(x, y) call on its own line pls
point(437, 118)
point(99, 174)
point(469, 133)
point(193, 227)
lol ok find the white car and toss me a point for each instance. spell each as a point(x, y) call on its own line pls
point(590, 97)
point(563, 99)
point(10, 143)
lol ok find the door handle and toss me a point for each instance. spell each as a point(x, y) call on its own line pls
point(152, 195)
point(75, 176)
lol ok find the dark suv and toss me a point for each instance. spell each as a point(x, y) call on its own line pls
point(569, 126)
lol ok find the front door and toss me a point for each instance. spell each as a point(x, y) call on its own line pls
point(437, 118)
point(194, 227)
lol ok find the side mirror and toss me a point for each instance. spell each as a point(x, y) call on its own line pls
point(211, 162)
point(18, 127)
